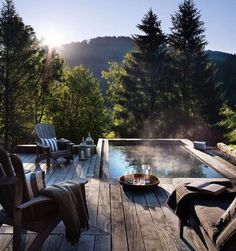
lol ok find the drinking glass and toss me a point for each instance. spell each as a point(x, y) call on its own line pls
point(129, 175)
point(142, 179)
point(147, 170)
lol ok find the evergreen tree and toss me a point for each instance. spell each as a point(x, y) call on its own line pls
point(17, 45)
point(150, 55)
point(228, 123)
point(47, 68)
point(143, 76)
point(229, 80)
point(193, 76)
point(27, 71)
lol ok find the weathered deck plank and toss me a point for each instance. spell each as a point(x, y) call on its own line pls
point(150, 236)
point(170, 217)
point(92, 166)
point(29, 241)
point(86, 243)
point(103, 242)
point(104, 210)
point(28, 161)
point(52, 243)
point(118, 230)
point(133, 231)
point(84, 169)
point(93, 202)
point(73, 170)
point(65, 245)
point(5, 241)
point(119, 220)
point(162, 227)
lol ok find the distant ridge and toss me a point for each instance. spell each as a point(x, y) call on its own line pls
point(218, 56)
point(96, 53)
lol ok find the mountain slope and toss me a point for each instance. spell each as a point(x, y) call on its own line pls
point(96, 53)
point(218, 56)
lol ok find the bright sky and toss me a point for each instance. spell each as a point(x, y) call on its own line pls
point(65, 21)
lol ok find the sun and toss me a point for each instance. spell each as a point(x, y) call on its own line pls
point(53, 38)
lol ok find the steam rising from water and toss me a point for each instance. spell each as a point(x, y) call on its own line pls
point(176, 124)
point(165, 160)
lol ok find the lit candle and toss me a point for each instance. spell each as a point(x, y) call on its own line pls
point(82, 154)
point(88, 152)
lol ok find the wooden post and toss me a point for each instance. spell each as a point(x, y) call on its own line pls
point(17, 216)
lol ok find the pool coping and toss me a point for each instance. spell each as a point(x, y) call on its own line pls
point(225, 168)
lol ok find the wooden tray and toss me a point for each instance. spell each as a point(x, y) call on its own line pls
point(154, 181)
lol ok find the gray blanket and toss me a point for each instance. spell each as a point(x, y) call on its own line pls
point(71, 201)
point(182, 196)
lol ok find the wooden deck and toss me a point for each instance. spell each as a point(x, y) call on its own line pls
point(119, 220)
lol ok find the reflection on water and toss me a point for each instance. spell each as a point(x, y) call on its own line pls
point(168, 161)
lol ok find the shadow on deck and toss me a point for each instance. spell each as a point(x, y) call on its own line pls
point(119, 220)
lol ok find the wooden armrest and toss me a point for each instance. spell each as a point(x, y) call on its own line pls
point(65, 141)
point(62, 145)
point(9, 180)
point(37, 200)
point(42, 146)
point(83, 180)
point(69, 143)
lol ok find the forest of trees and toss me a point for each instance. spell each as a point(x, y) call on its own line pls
point(167, 86)
point(37, 87)
point(158, 85)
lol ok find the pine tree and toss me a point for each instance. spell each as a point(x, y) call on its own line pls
point(229, 80)
point(193, 75)
point(19, 65)
point(228, 123)
point(47, 68)
point(143, 79)
point(151, 49)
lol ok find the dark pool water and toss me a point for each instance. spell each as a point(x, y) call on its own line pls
point(167, 161)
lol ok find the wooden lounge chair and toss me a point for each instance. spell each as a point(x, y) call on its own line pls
point(213, 217)
point(22, 211)
point(61, 148)
point(38, 214)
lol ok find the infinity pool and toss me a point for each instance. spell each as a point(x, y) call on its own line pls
point(167, 161)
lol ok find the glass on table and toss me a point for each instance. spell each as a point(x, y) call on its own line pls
point(147, 171)
point(142, 179)
point(129, 175)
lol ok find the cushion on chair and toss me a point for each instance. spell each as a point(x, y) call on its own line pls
point(35, 183)
point(51, 142)
point(227, 216)
point(208, 212)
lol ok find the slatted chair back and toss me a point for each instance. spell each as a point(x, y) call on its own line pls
point(11, 165)
point(45, 131)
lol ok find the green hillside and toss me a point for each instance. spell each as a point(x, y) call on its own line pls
point(96, 53)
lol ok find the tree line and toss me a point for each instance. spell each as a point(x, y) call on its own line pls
point(36, 86)
point(165, 87)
